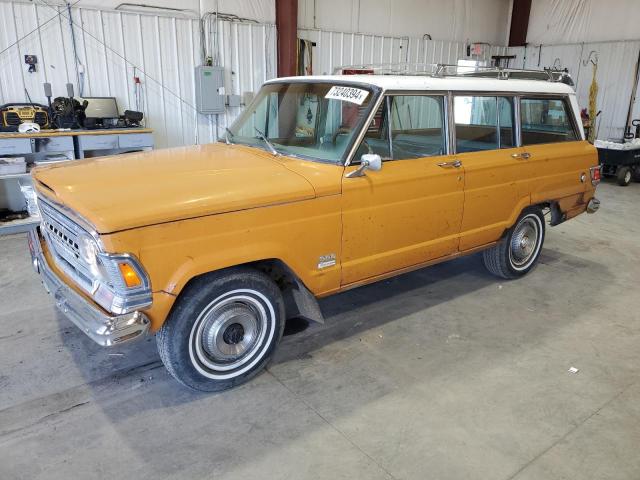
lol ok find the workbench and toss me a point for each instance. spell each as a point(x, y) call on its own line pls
point(53, 146)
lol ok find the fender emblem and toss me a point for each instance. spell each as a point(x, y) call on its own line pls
point(325, 261)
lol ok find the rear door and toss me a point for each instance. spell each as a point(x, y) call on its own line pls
point(496, 175)
point(556, 154)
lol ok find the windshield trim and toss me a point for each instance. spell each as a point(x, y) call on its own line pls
point(376, 95)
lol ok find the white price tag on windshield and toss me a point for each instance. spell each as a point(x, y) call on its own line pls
point(347, 94)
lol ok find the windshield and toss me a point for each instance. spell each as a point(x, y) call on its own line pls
point(312, 120)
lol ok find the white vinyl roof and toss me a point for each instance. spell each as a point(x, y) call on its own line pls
point(425, 82)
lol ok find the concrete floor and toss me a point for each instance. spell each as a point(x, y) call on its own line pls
point(445, 373)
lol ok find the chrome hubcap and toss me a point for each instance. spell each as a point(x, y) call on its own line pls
point(524, 242)
point(229, 332)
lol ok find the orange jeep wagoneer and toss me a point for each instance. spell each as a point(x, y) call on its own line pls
point(321, 185)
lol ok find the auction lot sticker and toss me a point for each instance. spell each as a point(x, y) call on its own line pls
point(347, 94)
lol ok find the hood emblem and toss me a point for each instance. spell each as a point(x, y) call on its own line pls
point(326, 261)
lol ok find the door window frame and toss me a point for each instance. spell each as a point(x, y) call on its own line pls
point(387, 94)
point(515, 116)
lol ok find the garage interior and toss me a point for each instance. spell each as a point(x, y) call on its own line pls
point(445, 372)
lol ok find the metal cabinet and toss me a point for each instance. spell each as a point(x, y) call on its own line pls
point(15, 146)
point(57, 146)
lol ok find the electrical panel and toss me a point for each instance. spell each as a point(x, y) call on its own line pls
point(210, 96)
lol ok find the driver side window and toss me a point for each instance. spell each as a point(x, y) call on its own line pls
point(406, 127)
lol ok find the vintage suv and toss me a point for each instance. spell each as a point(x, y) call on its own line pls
point(321, 185)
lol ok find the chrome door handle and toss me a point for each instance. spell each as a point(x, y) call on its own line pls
point(521, 156)
point(454, 164)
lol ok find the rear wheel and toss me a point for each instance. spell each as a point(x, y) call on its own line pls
point(223, 330)
point(636, 173)
point(623, 176)
point(518, 252)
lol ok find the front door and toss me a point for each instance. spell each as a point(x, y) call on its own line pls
point(410, 211)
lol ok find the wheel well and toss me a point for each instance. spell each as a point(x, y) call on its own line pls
point(277, 270)
point(299, 302)
point(298, 299)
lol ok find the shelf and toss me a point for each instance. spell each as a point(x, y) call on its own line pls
point(14, 175)
point(18, 226)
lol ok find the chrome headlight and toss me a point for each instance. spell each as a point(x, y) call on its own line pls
point(120, 284)
point(88, 249)
point(125, 285)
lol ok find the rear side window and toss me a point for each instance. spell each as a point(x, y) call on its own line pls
point(476, 123)
point(483, 123)
point(545, 120)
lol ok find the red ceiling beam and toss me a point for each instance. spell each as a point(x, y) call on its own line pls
point(519, 23)
point(287, 28)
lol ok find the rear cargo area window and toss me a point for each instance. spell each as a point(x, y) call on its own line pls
point(545, 120)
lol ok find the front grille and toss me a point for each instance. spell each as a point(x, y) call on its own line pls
point(62, 237)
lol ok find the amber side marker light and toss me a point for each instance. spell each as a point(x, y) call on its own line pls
point(129, 275)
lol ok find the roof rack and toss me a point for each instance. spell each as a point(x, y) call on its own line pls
point(447, 70)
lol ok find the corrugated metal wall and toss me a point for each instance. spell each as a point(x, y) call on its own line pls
point(335, 49)
point(615, 76)
point(161, 50)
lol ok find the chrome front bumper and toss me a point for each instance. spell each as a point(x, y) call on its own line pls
point(104, 329)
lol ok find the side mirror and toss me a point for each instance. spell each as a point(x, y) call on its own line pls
point(368, 161)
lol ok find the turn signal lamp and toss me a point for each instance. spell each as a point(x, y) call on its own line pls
point(129, 275)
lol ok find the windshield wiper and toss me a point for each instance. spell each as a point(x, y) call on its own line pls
point(228, 136)
point(262, 137)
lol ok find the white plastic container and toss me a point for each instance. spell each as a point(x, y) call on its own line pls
point(13, 166)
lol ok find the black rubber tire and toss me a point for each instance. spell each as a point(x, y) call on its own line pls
point(498, 260)
point(623, 176)
point(174, 337)
point(636, 173)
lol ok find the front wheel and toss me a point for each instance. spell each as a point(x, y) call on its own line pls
point(518, 252)
point(223, 329)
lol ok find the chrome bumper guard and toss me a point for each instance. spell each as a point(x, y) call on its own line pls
point(593, 206)
point(106, 330)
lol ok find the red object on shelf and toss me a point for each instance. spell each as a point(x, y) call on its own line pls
point(357, 71)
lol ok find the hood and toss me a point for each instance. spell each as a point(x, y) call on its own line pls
point(134, 190)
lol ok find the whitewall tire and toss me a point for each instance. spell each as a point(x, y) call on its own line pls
point(518, 252)
point(223, 329)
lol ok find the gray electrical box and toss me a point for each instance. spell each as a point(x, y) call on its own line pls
point(210, 96)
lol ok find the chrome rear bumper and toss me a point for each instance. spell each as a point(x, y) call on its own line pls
point(104, 329)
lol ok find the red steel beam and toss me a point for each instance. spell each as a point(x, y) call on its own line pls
point(287, 28)
point(519, 23)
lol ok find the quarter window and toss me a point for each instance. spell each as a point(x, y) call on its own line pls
point(545, 120)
